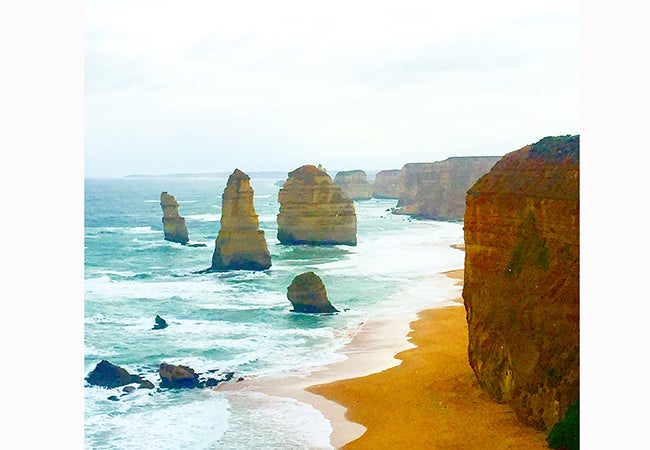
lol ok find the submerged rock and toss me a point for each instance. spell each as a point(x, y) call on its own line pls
point(307, 294)
point(177, 377)
point(313, 210)
point(240, 245)
point(521, 287)
point(354, 183)
point(109, 375)
point(160, 323)
point(173, 224)
point(385, 185)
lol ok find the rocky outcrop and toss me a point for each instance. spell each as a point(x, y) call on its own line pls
point(437, 190)
point(354, 183)
point(177, 377)
point(386, 184)
point(173, 224)
point(159, 323)
point(313, 210)
point(109, 375)
point(521, 286)
point(307, 294)
point(240, 245)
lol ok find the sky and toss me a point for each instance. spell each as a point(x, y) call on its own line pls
point(207, 86)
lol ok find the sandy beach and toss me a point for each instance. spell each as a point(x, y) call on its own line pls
point(406, 383)
point(432, 399)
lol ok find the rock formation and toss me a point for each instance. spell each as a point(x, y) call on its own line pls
point(109, 375)
point(307, 294)
point(240, 245)
point(354, 183)
point(160, 323)
point(313, 210)
point(173, 224)
point(176, 377)
point(521, 287)
point(385, 185)
point(437, 190)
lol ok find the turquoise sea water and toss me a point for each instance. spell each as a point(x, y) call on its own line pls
point(233, 321)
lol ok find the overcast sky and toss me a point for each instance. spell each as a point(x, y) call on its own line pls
point(206, 86)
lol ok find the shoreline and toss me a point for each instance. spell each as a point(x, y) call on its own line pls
point(432, 398)
point(374, 349)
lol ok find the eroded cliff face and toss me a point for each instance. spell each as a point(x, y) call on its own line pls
point(385, 185)
point(521, 287)
point(313, 210)
point(437, 190)
point(173, 224)
point(240, 243)
point(354, 183)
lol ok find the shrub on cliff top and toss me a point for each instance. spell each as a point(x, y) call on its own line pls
point(565, 435)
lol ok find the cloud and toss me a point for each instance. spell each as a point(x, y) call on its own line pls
point(346, 79)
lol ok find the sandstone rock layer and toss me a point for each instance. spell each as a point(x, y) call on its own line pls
point(521, 287)
point(386, 184)
point(313, 210)
point(307, 294)
point(354, 183)
point(173, 224)
point(240, 244)
point(437, 190)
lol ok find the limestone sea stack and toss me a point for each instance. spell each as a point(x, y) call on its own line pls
point(313, 210)
point(173, 224)
point(385, 185)
point(521, 286)
point(437, 190)
point(240, 244)
point(307, 294)
point(354, 183)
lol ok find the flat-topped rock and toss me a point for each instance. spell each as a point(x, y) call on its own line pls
point(173, 224)
point(354, 183)
point(386, 184)
point(313, 210)
point(240, 244)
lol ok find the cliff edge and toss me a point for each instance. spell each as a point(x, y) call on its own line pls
point(521, 287)
point(437, 190)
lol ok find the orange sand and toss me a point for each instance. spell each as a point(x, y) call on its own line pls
point(432, 400)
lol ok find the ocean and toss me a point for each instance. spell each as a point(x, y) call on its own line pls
point(237, 321)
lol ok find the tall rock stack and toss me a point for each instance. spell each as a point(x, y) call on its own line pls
point(437, 190)
point(313, 210)
point(240, 245)
point(385, 185)
point(521, 287)
point(173, 224)
point(354, 183)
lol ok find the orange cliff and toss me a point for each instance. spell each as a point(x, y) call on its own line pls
point(521, 284)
